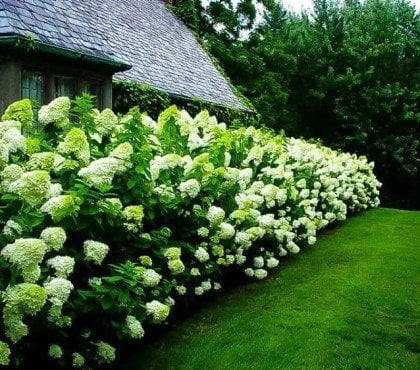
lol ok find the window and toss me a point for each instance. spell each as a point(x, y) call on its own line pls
point(64, 86)
point(90, 87)
point(42, 87)
point(33, 86)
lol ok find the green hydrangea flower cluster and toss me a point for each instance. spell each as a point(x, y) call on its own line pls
point(22, 299)
point(175, 265)
point(105, 122)
point(32, 187)
point(55, 351)
point(105, 353)
point(20, 111)
point(41, 161)
point(61, 206)
point(77, 360)
point(4, 354)
point(76, 143)
point(9, 175)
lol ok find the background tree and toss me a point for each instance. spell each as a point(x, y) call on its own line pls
point(348, 74)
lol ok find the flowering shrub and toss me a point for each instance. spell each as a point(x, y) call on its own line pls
point(109, 221)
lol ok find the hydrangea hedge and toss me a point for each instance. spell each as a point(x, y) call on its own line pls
point(109, 221)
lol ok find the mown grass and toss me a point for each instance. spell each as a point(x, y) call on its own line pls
point(350, 302)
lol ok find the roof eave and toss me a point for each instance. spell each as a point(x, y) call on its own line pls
point(115, 64)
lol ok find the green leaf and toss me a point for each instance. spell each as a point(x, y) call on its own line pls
point(107, 302)
point(132, 182)
point(112, 279)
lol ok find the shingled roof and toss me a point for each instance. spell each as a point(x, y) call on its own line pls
point(142, 33)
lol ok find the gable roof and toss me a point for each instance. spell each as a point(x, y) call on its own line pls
point(142, 33)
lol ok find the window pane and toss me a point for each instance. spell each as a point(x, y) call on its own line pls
point(64, 86)
point(33, 86)
point(90, 87)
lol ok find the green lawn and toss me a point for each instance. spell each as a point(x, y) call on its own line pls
point(349, 302)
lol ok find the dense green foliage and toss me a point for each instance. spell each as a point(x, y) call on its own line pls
point(340, 305)
point(107, 222)
point(128, 94)
point(348, 74)
point(187, 11)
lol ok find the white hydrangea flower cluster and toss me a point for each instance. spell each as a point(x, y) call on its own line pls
point(63, 265)
point(105, 122)
point(26, 254)
point(10, 174)
point(56, 112)
point(202, 255)
point(134, 327)
point(189, 188)
point(41, 161)
point(227, 231)
point(54, 190)
point(58, 290)
point(61, 206)
point(12, 229)
point(181, 290)
point(102, 171)
point(11, 139)
point(95, 251)
point(157, 310)
point(203, 232)
point(167, 162)
point(150, 278)
point(215, 215)
point(133, 215)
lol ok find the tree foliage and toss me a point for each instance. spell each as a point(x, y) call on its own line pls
point(348, 74)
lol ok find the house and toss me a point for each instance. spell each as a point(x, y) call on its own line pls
point(51, 48)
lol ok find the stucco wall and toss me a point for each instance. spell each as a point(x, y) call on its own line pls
point(10, 74)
